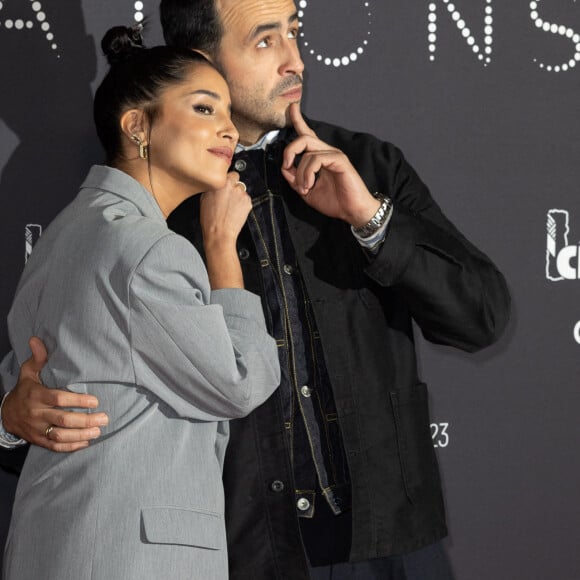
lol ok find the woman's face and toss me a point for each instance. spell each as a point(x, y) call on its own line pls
point(192, 138)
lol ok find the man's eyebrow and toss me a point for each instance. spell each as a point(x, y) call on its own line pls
point(271, 26)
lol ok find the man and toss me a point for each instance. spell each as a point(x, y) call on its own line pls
point(335, 475)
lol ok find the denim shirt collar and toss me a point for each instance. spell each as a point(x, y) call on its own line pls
point(262, 143)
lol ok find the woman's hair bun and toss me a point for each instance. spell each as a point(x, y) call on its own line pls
point(122, 42)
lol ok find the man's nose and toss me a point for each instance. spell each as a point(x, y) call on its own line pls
point(293, 63)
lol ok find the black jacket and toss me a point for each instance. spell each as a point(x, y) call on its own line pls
point(426, 271)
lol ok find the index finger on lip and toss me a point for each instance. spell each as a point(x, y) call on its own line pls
point(298, 121)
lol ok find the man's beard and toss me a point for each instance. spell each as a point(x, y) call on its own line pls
point(262, 113)
point(285, 85)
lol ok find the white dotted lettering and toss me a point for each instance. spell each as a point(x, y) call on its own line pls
point(560, 30)
point(342, 60)
point(464, 30)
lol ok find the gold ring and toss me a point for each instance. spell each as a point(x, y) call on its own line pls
point(243, 185)
point(48, 431)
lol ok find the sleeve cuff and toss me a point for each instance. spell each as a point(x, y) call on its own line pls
point(373, 243)
point(239, 303)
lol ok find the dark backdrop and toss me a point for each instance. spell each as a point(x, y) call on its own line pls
point(483, 98)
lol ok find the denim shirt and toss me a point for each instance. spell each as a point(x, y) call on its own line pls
point(314, 438)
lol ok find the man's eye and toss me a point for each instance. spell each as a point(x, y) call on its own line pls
point(264, 43)
point(203, 109)
point(293, 33)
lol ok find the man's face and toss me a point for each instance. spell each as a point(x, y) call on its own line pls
point(259, 57)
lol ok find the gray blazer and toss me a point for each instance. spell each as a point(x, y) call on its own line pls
point(125, 308)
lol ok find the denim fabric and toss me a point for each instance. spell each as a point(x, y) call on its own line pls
point(314, 438)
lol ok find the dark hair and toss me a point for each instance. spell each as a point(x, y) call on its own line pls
point(191, 24)
point(136, 79)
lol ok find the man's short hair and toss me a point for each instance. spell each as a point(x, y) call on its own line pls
point(191, 24)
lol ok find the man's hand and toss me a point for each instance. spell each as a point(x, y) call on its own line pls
point(30, 408)
point(325, 178)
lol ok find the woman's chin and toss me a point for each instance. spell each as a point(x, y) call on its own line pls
point(216, 183)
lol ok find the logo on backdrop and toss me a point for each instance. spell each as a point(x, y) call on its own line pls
point(562, 258)
point(577, 332)
point(31, 234)
point(481, 41)
point(478, 34)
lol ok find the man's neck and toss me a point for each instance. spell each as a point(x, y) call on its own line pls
point(261, 143)
point(247, 139)
point(250, 131)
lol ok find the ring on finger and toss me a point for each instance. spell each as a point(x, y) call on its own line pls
point(48, 431)
point(243, 185)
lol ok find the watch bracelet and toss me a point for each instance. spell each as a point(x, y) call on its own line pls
point(378, 219)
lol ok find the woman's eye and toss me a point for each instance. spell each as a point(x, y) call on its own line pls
point(203, 109)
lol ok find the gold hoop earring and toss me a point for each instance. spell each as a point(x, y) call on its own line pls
point(143, 148)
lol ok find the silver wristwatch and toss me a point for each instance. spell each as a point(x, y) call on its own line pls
point(383, 213)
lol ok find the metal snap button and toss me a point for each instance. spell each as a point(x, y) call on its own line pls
point(277, 486)
point(302, 504)
point(240, 165)
point(306, 391)
point(243, 253)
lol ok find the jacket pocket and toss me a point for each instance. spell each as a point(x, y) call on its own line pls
point(171, 525)
point(416, 454)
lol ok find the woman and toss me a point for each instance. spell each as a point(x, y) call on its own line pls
point(130, 313)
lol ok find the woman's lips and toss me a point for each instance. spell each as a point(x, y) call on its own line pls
point(224, 152)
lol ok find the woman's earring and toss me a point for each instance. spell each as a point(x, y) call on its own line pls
point(143, 148)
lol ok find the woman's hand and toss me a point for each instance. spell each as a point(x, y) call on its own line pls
point(223, 213)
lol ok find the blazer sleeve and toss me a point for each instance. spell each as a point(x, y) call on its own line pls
point(9, 370)
point(453, 291)
point(205, 353)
